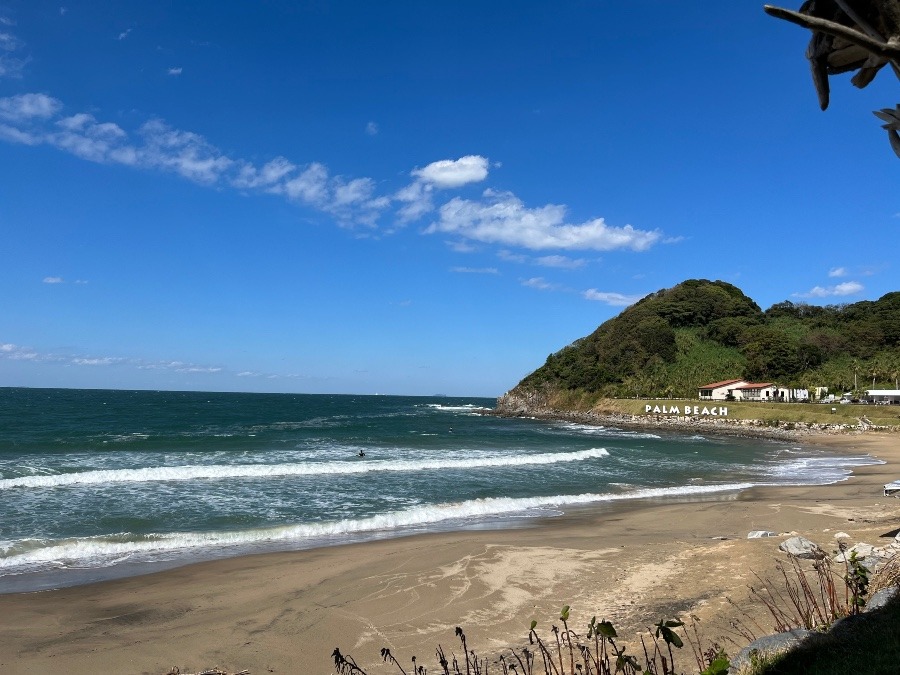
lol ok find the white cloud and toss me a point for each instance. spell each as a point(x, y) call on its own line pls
point(53, 280)
point(17, 353)
point(175, 71)
point(539, 283)
point(182, 152)
point(10, 64)
point(613, 299)
point(267, 176)
point(372, 129)
point(502, 218)
point(475, 270)
point(98, 361)
point(124, 34)
point(461, 246)
point(443, 174)
point(846, 288)
point(837, 272)
point(453, 173)
point(9, 42)
point(24, 108)
point(560, 261)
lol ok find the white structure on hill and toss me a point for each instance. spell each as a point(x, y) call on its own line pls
point(720, 391)
point(884, 396)
point(741, 390)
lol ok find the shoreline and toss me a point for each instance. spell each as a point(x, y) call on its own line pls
point(742, 428)
point(630, 562)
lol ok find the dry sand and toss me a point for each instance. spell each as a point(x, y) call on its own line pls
point(285, 612)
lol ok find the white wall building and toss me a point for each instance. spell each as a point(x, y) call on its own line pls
point(883, 396)
point(719, 391)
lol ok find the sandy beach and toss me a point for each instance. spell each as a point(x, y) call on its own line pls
point(285, 612)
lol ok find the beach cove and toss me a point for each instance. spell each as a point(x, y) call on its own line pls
point(632, 561)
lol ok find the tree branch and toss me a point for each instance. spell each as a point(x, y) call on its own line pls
point(890, 50)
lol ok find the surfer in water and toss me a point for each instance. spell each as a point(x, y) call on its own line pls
point(360, 454)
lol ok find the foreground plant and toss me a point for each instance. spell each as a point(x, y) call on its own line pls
point(567, 652)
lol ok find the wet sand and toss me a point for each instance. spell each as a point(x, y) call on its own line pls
point(631, 563)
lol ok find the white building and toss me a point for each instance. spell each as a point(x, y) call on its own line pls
point(719, 391)
point(741, 390)
point(883, 396)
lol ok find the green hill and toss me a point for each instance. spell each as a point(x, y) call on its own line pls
point(677, 339)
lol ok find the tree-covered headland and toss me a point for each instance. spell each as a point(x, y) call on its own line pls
point(675, 340)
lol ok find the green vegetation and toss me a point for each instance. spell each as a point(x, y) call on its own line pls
point(871, 645)
point(765, 413)
point(677, 339)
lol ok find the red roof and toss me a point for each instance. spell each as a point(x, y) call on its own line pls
point(716, 385)
point(755, 385)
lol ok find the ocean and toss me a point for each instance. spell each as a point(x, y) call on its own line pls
point(98, 484)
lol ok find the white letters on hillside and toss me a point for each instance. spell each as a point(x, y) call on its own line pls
point(687, 411)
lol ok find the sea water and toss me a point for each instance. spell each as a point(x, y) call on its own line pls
point(97, 484)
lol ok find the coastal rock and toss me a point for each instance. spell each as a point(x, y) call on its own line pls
point(881, 598)
point(861, 551)
point(771, 644)
point(801, 547)
point(759, 534)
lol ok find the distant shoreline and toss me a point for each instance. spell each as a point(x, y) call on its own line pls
point(748, 428)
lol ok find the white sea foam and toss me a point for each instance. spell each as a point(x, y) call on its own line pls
point(467, 408)
point(604, 431)
point(220, 471)
point(818, 470)
point(98, 551)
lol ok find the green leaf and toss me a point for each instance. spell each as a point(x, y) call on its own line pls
point(605, 629)
point(719, 666)
point(533, 624)
point(674, 623)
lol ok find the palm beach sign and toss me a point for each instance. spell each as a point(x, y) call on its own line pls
point(687, 410)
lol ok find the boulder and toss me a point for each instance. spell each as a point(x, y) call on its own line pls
point(759, 534)
point(801, 547)
point(771, 644)
point(861, 551)
point(881, 598)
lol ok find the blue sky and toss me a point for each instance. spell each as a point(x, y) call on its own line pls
point(408, 197)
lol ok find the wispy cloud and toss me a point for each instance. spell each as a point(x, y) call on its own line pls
point(540, 283)
point(475, 270)
point(34, 119)
point(837, 272)
point(175, 71)
point(372, 129)
point(560, 261)
point(496, 218)
point(610, 298)
point(125, 33)
point(502, 218)
point(98, 361)
point(846, 288)
point(60, 280)
point(15, 352)
point(555, 261)
point(12, 63)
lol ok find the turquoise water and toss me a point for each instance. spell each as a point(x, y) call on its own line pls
point(96, 484)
